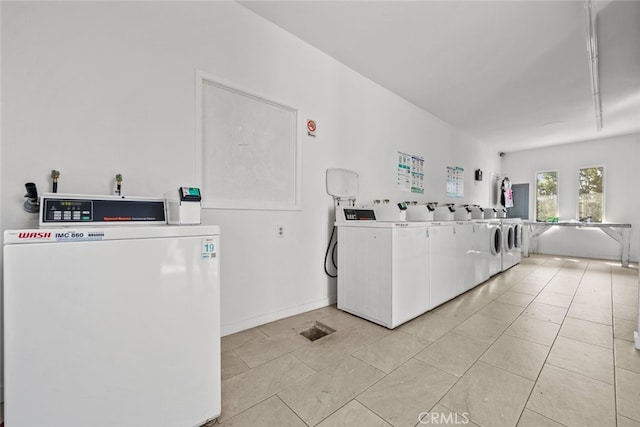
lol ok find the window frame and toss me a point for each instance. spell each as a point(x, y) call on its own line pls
point(604, 182)
point(535, 192)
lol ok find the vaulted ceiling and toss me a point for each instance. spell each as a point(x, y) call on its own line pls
point(513, 74)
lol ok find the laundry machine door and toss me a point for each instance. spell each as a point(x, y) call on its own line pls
point(495, 246)
point(517, 236)
point(495, 240)
point(509, 238)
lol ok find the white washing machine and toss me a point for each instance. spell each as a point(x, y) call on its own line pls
point(111, 325)
point(383, 268)
point(482, 250)
point(452, 260)
point(465, 254)
point(495, 242)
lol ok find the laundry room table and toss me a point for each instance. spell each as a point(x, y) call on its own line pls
point(621, 233)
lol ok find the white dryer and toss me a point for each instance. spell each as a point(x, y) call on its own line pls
point(508, 245)
point(495, 242)
point(517, 238)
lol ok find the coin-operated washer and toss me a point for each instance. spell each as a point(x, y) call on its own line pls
point(383, 266)
point(107, 305)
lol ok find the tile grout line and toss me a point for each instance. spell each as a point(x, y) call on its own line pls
point(542, 415)
point(291, 409)
point(554, 339)
point(492, 299)
point(425, 363)
point(613, 341)
point(487, 349)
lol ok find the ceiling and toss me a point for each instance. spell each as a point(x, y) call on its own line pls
point(513, 74)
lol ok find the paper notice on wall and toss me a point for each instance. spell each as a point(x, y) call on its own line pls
point(417, 174)
point(410, 173)
point(404, 172)
point(455, 181)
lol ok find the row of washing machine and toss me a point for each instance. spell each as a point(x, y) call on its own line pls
point(393, 271)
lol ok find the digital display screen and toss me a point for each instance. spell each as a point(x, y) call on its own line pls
point(71, 203)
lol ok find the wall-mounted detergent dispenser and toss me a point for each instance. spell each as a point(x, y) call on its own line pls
point(183, 206)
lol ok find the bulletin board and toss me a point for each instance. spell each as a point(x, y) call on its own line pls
point(248, 153)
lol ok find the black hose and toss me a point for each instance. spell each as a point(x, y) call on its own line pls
point(333, 255)
point(333, 251)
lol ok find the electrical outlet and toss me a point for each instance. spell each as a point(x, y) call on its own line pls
point(280, 231)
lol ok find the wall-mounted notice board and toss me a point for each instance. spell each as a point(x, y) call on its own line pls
point(248, 153)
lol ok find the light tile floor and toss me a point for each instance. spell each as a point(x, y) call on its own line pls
point(547, 343)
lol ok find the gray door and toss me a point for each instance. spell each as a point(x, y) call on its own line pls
point(520, 207)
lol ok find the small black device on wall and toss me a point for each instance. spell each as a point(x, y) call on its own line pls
point(478, 174)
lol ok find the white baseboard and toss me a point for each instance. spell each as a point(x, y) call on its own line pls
point(242, 325)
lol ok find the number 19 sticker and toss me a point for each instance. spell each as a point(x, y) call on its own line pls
point(208, 248)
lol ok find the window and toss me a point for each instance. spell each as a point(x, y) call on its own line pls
point(591, 194)
point(546, 196)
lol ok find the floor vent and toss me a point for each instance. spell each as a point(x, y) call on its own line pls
point(317, 331)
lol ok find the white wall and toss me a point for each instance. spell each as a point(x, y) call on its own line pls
point(97, 89)
point(619, 156)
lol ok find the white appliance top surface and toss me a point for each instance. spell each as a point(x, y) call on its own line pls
point(382, 224)
point(83, 234)
point(400, 224)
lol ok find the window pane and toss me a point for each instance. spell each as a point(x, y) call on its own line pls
point(590, 194)
point(546, 196)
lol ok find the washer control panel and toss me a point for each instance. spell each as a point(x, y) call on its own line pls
point(58, 209)
point(68, 210)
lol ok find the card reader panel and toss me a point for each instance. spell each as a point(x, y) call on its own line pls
point(189, 194)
